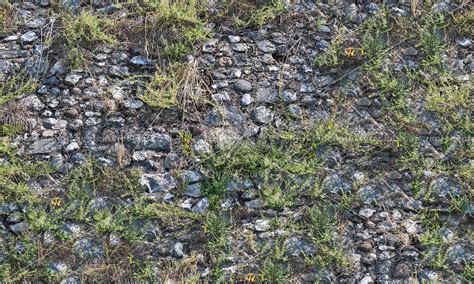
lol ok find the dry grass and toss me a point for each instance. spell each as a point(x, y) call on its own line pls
point(15, 114)
point(7, 19)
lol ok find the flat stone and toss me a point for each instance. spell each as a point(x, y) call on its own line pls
point(158, 182)
point(36, 23)
point(58, 267)
point(19, 227)
point(201, 206)
point(262, 225)
point(262, 115)
point(445, 188)
point(133, 104)
point(266, 46)
point(178, 249)
point(298, 247)
point(87, 249)
point(44, 146)
point(242, 86)
point(366, 212)
point(191, 176)
point(141, 61)
point(155, 141)
point(201, 147)
point(193, 190)
point(73, 79)
point(428, 276)
point(28, 37)
point(246, 100)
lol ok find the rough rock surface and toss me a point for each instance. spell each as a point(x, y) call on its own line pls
point(381, 191)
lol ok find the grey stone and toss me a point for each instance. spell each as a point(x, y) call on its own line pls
point(464, 41)
point(191, 176)
point(262, 115)
point(8, 208)
point(366, 280)
point(99, 204)
point(397, 12)
point(336, 184)
point(289, 96)
point(445, 188)
point(155, 141)
point(246, 100)
point(459, 255)
point(73, 79)
point(266, 46)
point(119, 71)
point(307, 88)
point(234, 39)
point(133, 104)
point(70, 4)
point(87, 249)
point(242, 86)
point(36, 23)
point(366, 212)
point(446, 235)
point(193, 190)
point(158, 182)
point(178, 250)
point(298, 247)
point(172, 161)
point(141, 61)
point(71, 280)
point(201, 147)
point(372, 8)
point(19, 227)
point(44, 146)
point(221, 97)
point(57, 267)
point(32, 102)
point(28, 37)
point(440, 7)
point(255, 204)
point(324, 81)
point(201, 206)
point(426, 275)
point(409, 51)
point(322, 45)
point(369, 194)
point(262, 225)
point(369, 258)
point(350, 12)
point(71, 229)
point(410, 226)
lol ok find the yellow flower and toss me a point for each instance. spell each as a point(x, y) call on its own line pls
point(56, 201)
point(350, 51)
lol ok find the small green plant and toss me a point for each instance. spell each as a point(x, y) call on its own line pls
point(451, 101)
point(464, 23)
point(217, 230)
point(10, 130)
point(375, 40)
point(164, 87)
point(16, 86)
point(86, 29)
point(186, 138)
point(83, 32)
point(432, 40)
point(171, 28)
point(275, 272)
point(333, 56)
point(266, 14)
